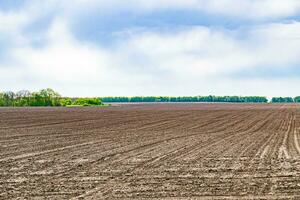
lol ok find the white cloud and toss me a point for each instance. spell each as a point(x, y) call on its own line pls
point(201, 51)
point(251, 9)
point(244, 9)
point(67, 65)
point(187, 61)
point(14, 22)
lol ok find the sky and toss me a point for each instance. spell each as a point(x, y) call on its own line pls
point(151, 47)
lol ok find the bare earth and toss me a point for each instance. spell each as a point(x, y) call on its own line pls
point(144, 151)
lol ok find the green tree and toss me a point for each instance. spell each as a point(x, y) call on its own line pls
point(65, 101)
point(22, 98)
point(87, 102)
point(8, 98)
point(297, 99)
point(282, 100)
point(49, 97)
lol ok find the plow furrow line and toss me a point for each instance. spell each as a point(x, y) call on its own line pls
point(27, 155)
point(283, 153)
point(296, 142)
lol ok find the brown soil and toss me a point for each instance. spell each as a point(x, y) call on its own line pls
point(142, 151)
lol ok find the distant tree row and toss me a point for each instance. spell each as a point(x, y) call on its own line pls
point(233, 99)
point(44, 97)
point(285, 100)
point(48, 97)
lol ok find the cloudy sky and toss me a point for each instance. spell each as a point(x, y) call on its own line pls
point(151, 47)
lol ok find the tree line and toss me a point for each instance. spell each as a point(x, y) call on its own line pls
point(210, 98)
point(285, 100)
point(49, 97)
point(44, 97)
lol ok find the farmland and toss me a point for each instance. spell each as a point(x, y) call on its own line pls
point(142, 151)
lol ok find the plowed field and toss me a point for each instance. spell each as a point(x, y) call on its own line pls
point(144, 151)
